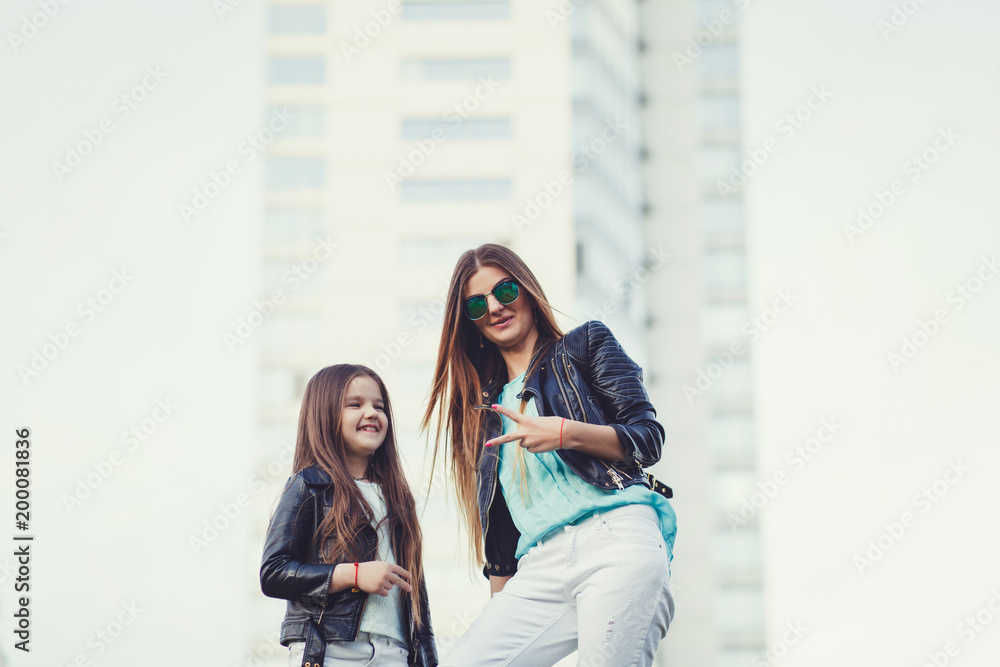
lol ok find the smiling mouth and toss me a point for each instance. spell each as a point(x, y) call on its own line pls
point(369, 429)
point(503, 320)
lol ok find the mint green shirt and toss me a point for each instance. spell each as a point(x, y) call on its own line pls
point(555, 495)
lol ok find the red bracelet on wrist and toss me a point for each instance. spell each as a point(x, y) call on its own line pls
point(560, 432)
point(355, 575)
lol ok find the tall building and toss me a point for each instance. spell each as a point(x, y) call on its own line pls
point(402, 134)
point(699, 302)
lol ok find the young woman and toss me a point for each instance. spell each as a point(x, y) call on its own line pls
point(548, 436)
point(343, 546)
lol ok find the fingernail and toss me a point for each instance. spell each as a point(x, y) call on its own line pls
point(489, 444)
point(495, 406)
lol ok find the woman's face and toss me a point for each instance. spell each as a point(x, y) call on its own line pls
point(504, 325)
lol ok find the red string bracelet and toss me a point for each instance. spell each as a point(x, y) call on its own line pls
point(355, 575)
point(560, 432)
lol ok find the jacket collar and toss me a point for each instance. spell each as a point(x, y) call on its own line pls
point(533, 384)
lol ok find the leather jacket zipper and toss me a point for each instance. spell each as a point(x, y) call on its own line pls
point(493, 488)
point(613, 472)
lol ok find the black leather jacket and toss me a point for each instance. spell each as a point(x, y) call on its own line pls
point(290, 570)
point(585, 376)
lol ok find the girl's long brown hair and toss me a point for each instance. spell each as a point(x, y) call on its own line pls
point(463, 368)
point(320, 442)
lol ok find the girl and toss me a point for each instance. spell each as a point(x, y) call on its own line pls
point(548, 436)
point(343, 546)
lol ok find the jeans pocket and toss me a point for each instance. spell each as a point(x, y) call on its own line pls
point(634, 528)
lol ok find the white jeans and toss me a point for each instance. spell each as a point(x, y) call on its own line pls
point(369, 650)
point(601, 587)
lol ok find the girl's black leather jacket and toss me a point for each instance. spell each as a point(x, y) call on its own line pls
point(292, 569)
point(585, 376)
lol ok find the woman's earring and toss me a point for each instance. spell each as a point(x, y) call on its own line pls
point(480, 341)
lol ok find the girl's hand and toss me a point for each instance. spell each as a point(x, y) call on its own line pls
point(379, 577)
point(537, 434)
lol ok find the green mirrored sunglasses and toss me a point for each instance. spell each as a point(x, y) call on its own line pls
point(506, 293)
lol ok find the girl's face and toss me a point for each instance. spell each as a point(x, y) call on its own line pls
point(363, 421)
point(505, 326)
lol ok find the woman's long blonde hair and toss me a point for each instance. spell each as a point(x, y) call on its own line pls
point(463, 368)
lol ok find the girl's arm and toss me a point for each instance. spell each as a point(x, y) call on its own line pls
point(284, 570)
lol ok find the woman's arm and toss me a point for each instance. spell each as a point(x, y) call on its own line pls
point(633, 435)
point(617, 383)
point(497, 584)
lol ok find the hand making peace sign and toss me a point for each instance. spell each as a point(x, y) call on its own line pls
point(537, 434)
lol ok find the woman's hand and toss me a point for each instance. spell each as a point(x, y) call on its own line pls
point(544, 434)
point(537, 434)
point(374, 576)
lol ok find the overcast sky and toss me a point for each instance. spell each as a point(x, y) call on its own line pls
point(879, 98)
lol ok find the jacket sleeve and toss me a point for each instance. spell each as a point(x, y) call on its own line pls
point(284, 572)
point(617, 382)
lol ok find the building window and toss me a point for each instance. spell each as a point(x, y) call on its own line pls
point(711, 10)
point(295, 172)
point(280, 275)
point(455, 10)
point(466, 129)
point(720, 112)
point(464, 189)
point(454, 69)
point(436, 250)
point(721, 218)
point(719, 60)
point(304, 121)
point(296, 69)
point(293, 225)
point(724, 269)
point(716, 163)
point(734, 384)
point(739, 610)
point(296, 19)
point(737, 550)
point(730, 435)
point(285, 333)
